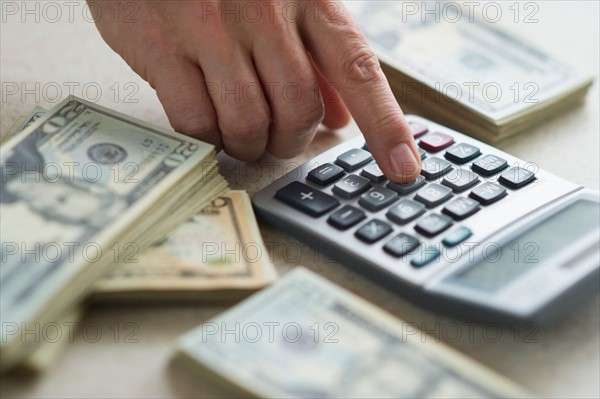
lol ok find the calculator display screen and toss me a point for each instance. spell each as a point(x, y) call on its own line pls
point(502, 264)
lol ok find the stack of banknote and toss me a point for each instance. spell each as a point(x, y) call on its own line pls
point(304, 337)
point(449, 64)
point(88, 199)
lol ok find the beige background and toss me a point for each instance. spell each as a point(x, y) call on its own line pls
point(558, 360)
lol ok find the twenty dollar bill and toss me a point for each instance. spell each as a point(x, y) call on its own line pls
point(306, 337)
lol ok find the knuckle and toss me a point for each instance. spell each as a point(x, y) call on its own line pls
point(308, 117)
point(359, 63)
point(196, 125)
point(248, 127)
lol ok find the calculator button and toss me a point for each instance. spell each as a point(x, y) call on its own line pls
point(461, 208)
point(401, 245)
point(325, 174)
point(434, 167)
point(433, 225)
point(351, 186)
point(489, 165)
point(346, 217)
point(516, 178)
point(425, 256)
point(457, 236)
point(366, 147)
point(435, 142)
point(422, 154)
point(306, 199)
point(405, 211)
point(488, 193)
point(354, 159)
point(373, 230)
point(417, 129)
point(462, 153)
point(373, 173)
point(433, 195)
point(377, 199)
point(408, 188)
point(460, 180)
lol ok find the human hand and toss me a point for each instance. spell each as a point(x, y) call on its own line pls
point(259, 76)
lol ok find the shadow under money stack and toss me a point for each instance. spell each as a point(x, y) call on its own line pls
point(83, 188)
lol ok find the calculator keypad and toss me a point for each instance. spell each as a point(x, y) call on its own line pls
point(346, 217)
point(374, 230)
point(420, 216)
point(433, 195)
point(351, 186)
point(489, 165)
point(373, 173)
point(460, 180)
point(307, 199)
point(325, 174)
point(354, 159)
point(404, 189)
point(435, 142)
point(405, 211)
point(433, 168)
point(377, 199)
point(433, 225)
point(488, 193)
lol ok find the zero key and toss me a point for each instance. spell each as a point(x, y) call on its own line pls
point(306, 199)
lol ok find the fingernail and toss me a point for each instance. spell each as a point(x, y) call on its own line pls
point(403, 161)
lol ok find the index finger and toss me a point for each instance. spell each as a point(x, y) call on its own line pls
point(342, 53)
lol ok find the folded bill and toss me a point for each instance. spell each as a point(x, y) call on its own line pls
point(306, 337)
point(84, 188)
point(217, 254)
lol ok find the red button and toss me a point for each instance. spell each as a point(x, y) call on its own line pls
point(417, 129)
point(435, 142)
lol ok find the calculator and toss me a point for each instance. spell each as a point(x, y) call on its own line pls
point(480, 233)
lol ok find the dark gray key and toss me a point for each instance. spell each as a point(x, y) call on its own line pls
point(433, 225)
point(461, 208)
point(346, 217)
point(373, 173)
point(488, 193)
point(460, 180)
point(405, 211)
point(516, 178)
point(351, 186)
point(354, 159)
point(306, 199)
point(434, 167)
point(373, 230)
point(401, 245)
point(408, 188)
point(489, 165)
point(462, 153)
point(325, 174)
point(433, 195)
point(377, 199)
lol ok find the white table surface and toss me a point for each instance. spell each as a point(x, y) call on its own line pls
point(562, 362)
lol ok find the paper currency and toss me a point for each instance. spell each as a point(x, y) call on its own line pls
point(218, 254)
point(465, 72)
point(22, 122)
point(305, 337)
point(47, 353)
point(82, 188)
